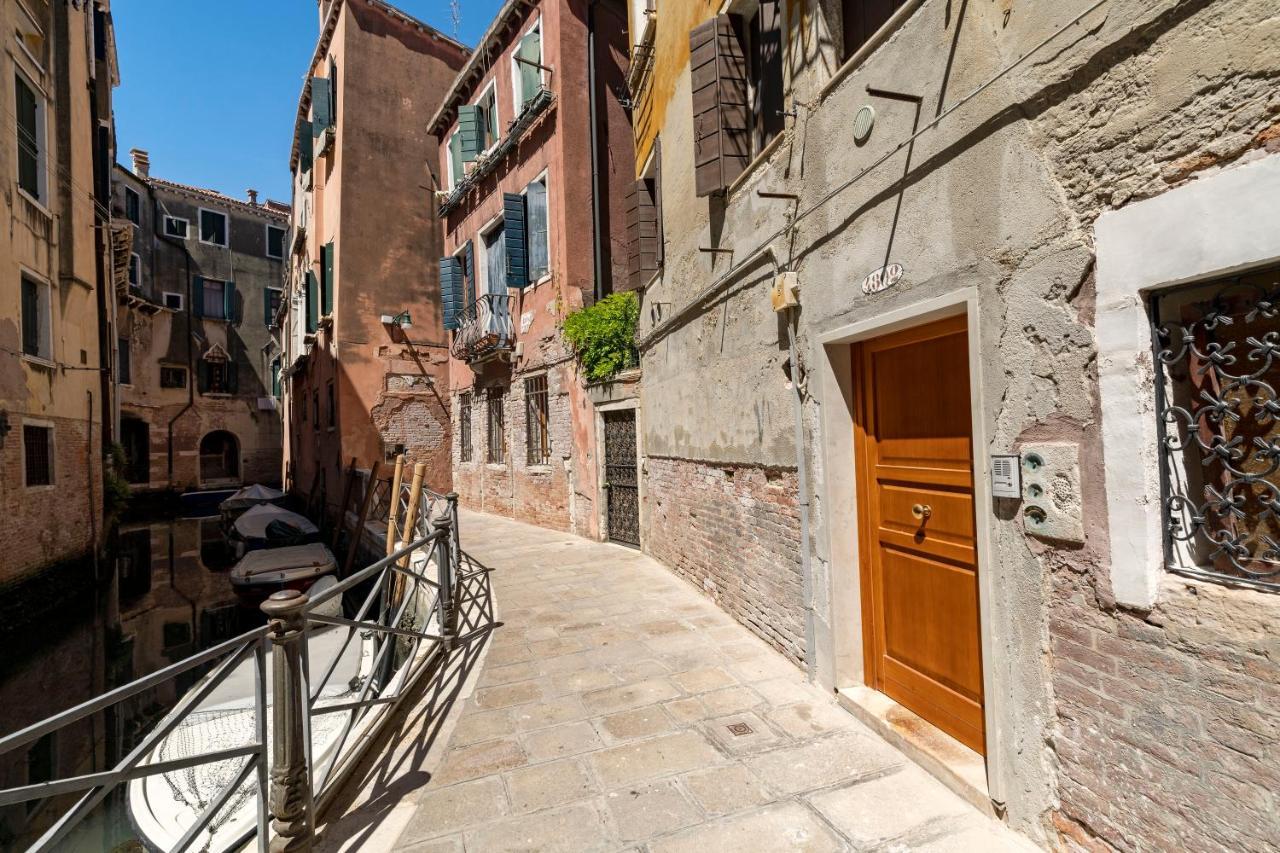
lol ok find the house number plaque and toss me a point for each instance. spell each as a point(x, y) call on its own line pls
point(882, 279)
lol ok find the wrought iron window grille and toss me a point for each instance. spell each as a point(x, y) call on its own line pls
point(1217, 357)
point(464, 427)
point(537, 439)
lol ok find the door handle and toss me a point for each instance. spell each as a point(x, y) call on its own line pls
point(922, 511)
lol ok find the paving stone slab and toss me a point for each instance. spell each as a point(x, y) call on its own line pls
point(780, 828)
point(560, 741)
point(860, 812)
point(722, 790)
point(823, 762)
point(641, 812)
point(659, 756)
point(449, 809)
point(637, 723)
point(573, 829)
point(629, 696)
point(552, 784)
point(481, 759)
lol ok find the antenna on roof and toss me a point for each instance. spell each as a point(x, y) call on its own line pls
point(455, 14)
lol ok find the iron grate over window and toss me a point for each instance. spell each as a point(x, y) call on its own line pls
point(464, 426)
point(537, 439)
point(38, 444)
point(1218, 370)
point(497, 426)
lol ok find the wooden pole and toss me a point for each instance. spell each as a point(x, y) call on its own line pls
point(346, 499)
point(396, 479)
point(365, 504)
point(410, 526)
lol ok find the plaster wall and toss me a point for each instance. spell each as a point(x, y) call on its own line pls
point(994, 213)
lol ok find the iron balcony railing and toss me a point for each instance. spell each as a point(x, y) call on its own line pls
point(218, 775)
point(484, 328)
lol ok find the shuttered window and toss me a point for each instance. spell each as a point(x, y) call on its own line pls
point(313, 302)
point(37, 319)
point(29, 109)
point(468, 258)
point(861, 19)
point(321, 106)
point(643, 243)
point(526, 71)
point(763, 39)
point(132, 206)
point(536, 223)
point(451, 291)
point(275, 242)
point(471, 132)
point(516, 238)
point(455, 159)
point(306, 146)
point(721, 122)
point(495, 262)
point(124, 365)
point(213, 227)
point(326, 279)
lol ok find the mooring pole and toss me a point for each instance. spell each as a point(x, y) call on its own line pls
point(291, 796)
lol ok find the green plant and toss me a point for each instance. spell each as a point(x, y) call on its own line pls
point(115, 487)
point(603, 336)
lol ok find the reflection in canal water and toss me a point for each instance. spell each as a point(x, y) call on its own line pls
point(169, 596)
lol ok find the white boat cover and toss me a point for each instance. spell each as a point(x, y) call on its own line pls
point(250, 495)
point(283, 565)
point(253, 524)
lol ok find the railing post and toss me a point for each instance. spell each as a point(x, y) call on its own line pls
point(455, 533)
point(291, 795)
point(443, 523)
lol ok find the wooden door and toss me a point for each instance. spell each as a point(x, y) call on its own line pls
point(913, 443)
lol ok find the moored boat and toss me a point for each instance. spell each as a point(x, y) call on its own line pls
point(262, 572)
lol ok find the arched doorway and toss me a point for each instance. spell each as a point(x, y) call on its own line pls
point(219, 457)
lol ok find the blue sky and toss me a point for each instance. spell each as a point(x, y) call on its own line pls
point(210, 89)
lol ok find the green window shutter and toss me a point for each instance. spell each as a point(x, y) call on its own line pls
point(275, 378)
point(306, 147)
point(451, 290)
point(468, 275)
point(229, 307)
point(470, 131)
point(455, 158)
point(530, 75)
point(326, 279)
point(313, 315)
point(516, 240)
point(197, 296)
point(202, 376)
point(321, 118)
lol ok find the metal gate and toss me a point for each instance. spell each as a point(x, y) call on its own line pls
point(621, 483)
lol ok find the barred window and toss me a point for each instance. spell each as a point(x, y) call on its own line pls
point(173, 377)
point(537, 441)
point(1219, 418)
point(464, 426)
point(37, 443)
point(497, 426)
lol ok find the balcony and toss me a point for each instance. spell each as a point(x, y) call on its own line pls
point(484, 329)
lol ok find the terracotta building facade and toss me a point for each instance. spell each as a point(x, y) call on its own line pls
point(58, 69)
point(197, 363)
point(534, 165)
point(956, 382)
point(366, 356)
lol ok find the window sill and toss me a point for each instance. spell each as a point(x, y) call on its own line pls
point(47, 487)
point(38, 361)
point(757, 163)
point(217, 395)
point(36, 203)
point(204, 242)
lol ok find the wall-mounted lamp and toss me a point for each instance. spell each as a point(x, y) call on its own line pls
point(400, 320)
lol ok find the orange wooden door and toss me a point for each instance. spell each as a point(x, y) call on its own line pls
point(913, 441)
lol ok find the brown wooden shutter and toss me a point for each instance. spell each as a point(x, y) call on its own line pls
point(721, 125)
point(643, 244)
point(657, 197)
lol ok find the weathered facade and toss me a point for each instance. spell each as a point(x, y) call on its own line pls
point(58, 68)
point(366, 361)
point(982, 205)
point(533, 196)
point(196, 360)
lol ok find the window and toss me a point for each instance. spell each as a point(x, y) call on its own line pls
point(537, 440)
point(175, 227)
point(173, 300)
point(497, 426)
point(37, 319)
point(271, 299)
point(761, 37)
point(455, 159)
point(495, 262)
point(331, 406)
point(216, 383)
point(464, 426)
point(644, 223)
point(526, 70)
point(135, 270)
point(275, 242)
point(213, 301)
point(213, 227)
point(132, 205)
point(536, 223)
point(275, 377)
point(30, 127)
point(1219, 435)
point(37, 447)
point(861, 19)
point(173, 377)
point(124, 367)
point(315, 408)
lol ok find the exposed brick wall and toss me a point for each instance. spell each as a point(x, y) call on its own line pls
point(538, 494)
point(45, 525)
point(1168, 727)
point(734, 532)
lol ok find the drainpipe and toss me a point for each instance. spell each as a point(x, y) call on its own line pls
point(802, 484)
point(186, 305)
point(595, 150)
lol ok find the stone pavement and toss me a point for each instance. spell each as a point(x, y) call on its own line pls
point(616, 708)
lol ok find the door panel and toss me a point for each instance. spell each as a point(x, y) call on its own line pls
point(623, 498)
point(913, 444)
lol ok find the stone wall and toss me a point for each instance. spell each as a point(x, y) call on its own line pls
point(734, 533)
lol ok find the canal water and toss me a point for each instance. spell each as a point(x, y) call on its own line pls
point(167, 596)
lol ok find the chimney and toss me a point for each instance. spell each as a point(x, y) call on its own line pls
point(253, 196)
point(141, 162)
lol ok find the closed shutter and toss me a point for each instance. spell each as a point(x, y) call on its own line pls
point(642, 232)
point(197, 296)
point(313, 315)
point(470, 132)
point(660, 248)
point(468, 275)
point(321, 117)
point(326, 279)
point(516, 239)
point(530, 49)
point(306, 147)
point(722, 127)
point(451, 290)
point(230, 309)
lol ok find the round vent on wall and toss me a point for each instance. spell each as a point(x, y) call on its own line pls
point(862, 123)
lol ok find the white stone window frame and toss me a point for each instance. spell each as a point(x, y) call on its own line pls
point(130, 191)
point(544, 179)
point(181, 299)
point(53, 454)
point(1219, 225)
point(517, 93)
point(41, 199)
point(226, 227)
point(186, 227)
point(284, 235)
point(46, 357)
point(135, 270)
